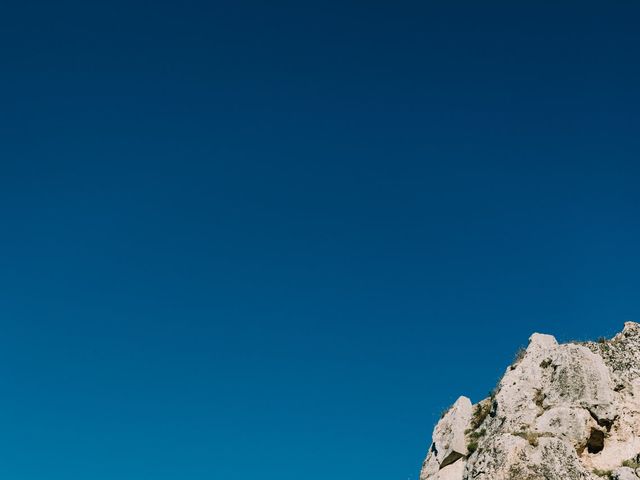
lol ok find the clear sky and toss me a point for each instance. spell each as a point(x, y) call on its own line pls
point(243, 240)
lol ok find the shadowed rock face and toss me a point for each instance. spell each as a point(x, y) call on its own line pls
point(561, 412)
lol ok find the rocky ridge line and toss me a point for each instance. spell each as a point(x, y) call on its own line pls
point(560, 412)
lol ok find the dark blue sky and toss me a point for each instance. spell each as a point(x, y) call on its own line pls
point(243, 240)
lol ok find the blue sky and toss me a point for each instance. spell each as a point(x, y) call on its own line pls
point(248, 240)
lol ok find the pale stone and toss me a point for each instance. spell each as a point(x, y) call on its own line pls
point(454, 471)
point(580, 378)
point(572, 424)
point(449, 444)
point(509, 457)
point(449, 439)
point(624, 473)
point(560, 412)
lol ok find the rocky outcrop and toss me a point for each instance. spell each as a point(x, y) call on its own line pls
point(449, 441)
point(560, 412)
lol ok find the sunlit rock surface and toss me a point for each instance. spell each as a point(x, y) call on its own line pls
point(560, 412)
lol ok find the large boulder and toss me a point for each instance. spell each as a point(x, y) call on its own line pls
point(449, 442)
point(580, 378)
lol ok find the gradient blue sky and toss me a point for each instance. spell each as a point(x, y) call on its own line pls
point(246, 241)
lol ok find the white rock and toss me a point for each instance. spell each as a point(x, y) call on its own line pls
point(449, 443)
point(454, 471)
point(560, 412)
point(572, 424)
point(449, 438)
point(624, 473)
point(580, 378)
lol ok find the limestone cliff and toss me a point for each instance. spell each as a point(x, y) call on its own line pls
point(560, 412)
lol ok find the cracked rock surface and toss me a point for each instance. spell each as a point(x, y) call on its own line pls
point(560, 412)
